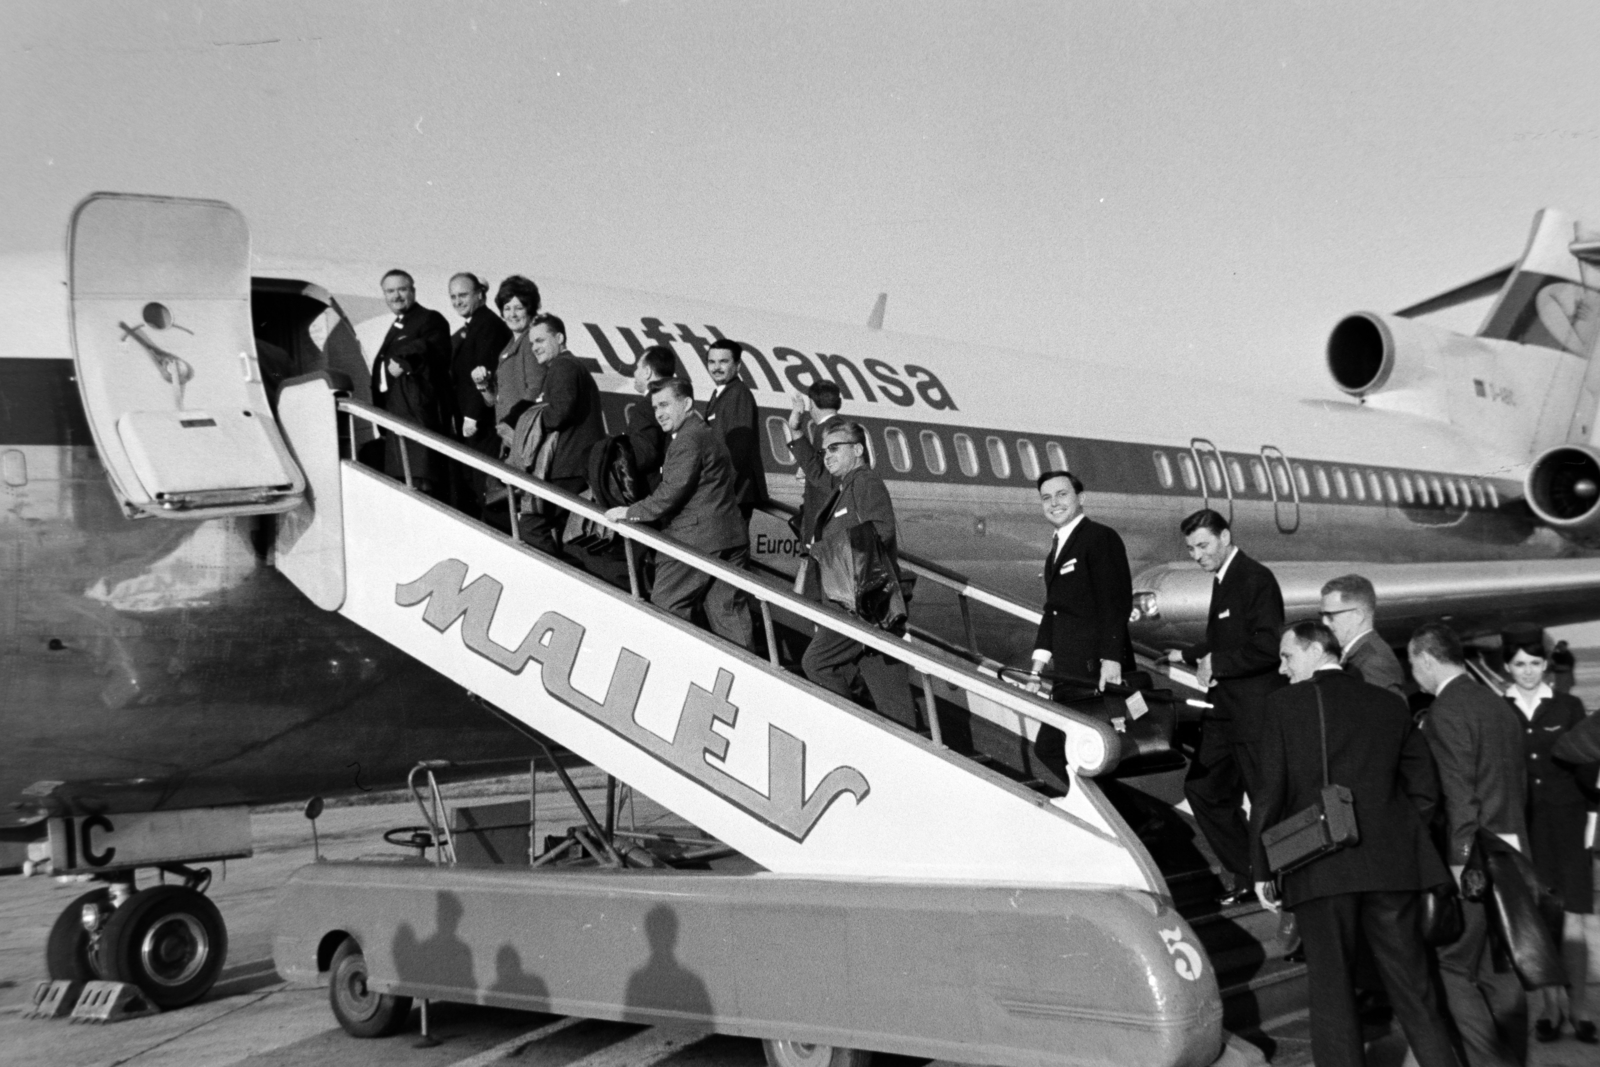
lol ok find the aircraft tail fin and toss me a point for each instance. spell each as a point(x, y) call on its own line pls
point(1551, 297)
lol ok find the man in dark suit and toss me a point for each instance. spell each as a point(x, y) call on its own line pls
point(646, 437)
point(411, 380)
point(835, 661)
point(731, 411)
point(1368, 892)
point(1088, 592)
point(478, 343)
point(695, 504)
point(809, 415)
point(1238, 664)
point(572, 410)
point(1349, 608)
point(1476, 739)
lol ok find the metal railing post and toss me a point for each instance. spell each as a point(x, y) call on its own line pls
point(633, 568)
point(772, 634)
point(934, 731)
point(966, 620)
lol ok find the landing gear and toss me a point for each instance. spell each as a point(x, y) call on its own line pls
point(359, 1010)
point(66, 953)
point(803, 1054)
point(169, 941)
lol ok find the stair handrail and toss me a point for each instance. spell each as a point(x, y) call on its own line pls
point(1092, 746)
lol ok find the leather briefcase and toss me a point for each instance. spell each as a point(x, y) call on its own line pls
point(1318, 830)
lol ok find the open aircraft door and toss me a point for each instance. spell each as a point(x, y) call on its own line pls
point(166, 360)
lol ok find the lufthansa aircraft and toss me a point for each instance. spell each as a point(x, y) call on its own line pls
point(155, 673)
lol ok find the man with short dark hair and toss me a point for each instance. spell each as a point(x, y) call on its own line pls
point(835, 661)
point(1367, 893)
point(411, 381)
point(731, 411)
point(696, 505)
point(649, 442)
point(1088, 591)
point(1476, 739)
point(1237, 664)
point(572, 410)
point(809, 415)
point(1349, 608)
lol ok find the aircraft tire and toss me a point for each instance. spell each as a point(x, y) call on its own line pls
point(169, 941)
point(360, 1011)
point(66, 952)
point(802, 1054)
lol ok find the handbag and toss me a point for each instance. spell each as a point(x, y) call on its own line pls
point(1318, 830)
point(1519, 930)
point(1442, 920)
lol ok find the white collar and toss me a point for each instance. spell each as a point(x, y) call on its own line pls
point(1222, 571)
point(1326, 667)
point(1530, 704)
point(1064, 532)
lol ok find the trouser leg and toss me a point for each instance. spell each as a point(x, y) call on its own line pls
point(1214, 787)
point(543, 528)
point(678, 588)
point(728, 608)
point(889, 682)
point(832, 661)
point(1486, 1014)
point(1391, 925)
point(1329, 925)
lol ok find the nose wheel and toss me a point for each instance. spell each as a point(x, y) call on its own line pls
point(169, 941)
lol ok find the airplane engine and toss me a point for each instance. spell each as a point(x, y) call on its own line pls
point(1563, 489)
point(1369, 352)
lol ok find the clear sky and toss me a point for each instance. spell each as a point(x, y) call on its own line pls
point(1184, 185)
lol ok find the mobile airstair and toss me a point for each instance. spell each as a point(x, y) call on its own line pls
point(904, 891)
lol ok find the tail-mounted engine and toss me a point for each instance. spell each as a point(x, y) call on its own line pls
point(1369, 352)
point(1563, 489)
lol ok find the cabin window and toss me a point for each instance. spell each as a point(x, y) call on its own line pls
point(1451, 494)
point(1494, 496)
point(1464, 491)
point(999, 462)
point(1324, 487)
point(1377, 486)
point(1438, 490)
point(1358, 486)
point(933, 452)
point(1163, 468)
point(1477, 495)
point(1280, 475)
point(1236, 475)
point(1341, 485)
point(1191, 477)
point(966, 455)
point(1057, 456)
point(1029, 457)
point(1301, 480)
point(1258, 474)
point(1393, 490)
point(1407, 492)
point(1213, 470)
point(899, 450)
point(775, 437)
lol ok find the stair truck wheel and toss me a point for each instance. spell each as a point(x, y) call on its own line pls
point(169, 941)
point(360, 1011)
point(803, 1054)
point(66, 952)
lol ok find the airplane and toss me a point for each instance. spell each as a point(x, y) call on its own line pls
point(157, 676)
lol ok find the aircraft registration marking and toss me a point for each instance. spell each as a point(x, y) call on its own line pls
point(554, 642)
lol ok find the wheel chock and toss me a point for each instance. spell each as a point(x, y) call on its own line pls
point(111, 1002)
point(52, 999)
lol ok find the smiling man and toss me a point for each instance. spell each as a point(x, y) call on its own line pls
point(1088, 590)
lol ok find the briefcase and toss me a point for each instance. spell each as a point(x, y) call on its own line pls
point(1318, 830)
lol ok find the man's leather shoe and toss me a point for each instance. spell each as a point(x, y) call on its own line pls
point(1585, 1032)
point(1234, 897)
point(1547, 1029)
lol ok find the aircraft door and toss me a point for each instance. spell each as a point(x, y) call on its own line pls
point(1285, 493)
point(166, 359)
point(1216, 490)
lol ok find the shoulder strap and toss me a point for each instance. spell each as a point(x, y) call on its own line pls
point(1322, 729)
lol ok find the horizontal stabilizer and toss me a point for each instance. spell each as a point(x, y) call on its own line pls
point(1487, 285)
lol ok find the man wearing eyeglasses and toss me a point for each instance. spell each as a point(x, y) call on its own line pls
point(1349, 606)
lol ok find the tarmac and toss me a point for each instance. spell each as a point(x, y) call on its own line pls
point(254, 1018)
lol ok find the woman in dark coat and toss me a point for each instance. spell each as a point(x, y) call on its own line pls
point(1558, 809)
